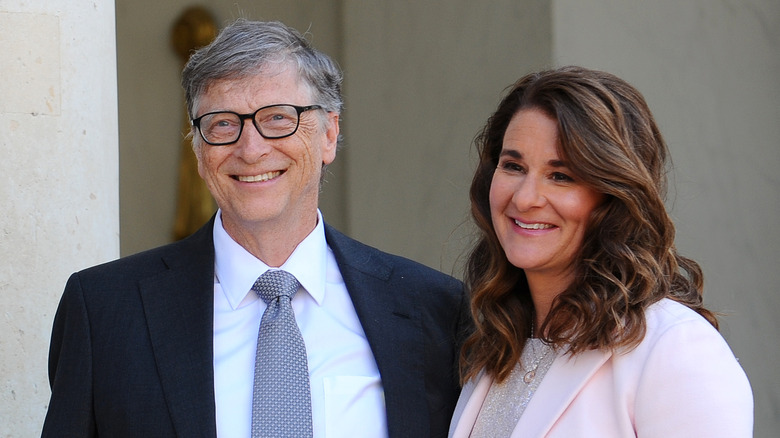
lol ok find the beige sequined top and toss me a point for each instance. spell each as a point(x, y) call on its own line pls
point(506, 401)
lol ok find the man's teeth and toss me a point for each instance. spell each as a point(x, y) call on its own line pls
point(259, 178)
point(533, 226)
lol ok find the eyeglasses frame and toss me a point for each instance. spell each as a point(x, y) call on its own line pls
point(242, 117)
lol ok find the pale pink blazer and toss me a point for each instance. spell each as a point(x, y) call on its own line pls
point(681, 381)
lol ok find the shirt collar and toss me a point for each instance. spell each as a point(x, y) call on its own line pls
point(237, 270)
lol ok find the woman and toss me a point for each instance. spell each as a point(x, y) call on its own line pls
point(588, 322)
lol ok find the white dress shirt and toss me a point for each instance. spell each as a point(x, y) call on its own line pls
point(346, 390)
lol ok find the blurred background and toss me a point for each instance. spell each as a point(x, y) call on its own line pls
point(91, 119)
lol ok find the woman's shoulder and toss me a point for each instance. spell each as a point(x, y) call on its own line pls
point(684, 360)
point(668, 314)
point(672, 328)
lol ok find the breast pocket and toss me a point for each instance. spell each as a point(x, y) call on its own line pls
point(354, 406)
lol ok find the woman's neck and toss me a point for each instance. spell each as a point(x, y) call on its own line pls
point(544, 289)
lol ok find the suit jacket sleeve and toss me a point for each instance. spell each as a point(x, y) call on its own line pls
point(692, 386)
point(131, 346)
point(70, 369)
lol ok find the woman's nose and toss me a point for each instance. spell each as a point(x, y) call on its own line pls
point(528, 194)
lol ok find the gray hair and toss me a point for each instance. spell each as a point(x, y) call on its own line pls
point(244, 48)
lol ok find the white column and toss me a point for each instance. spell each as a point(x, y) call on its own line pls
point(58, 180)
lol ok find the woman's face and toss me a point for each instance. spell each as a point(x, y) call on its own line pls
point(539, 208)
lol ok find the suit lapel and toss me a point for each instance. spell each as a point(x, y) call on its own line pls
point(393, 329)
point(563, 381)
point(179, 304)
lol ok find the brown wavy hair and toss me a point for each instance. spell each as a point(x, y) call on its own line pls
point(628, 260)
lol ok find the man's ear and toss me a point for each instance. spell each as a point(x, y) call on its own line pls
point(197, 149)
point(332, 138)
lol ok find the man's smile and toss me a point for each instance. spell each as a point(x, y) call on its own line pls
point(258, 178)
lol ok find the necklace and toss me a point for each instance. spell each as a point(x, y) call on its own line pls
point(530, 373)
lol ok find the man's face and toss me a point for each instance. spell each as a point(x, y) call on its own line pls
point(262, 182)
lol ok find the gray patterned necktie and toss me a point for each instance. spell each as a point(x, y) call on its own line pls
point(281, 403)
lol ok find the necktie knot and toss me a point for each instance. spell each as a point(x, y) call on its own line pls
point(274, 284)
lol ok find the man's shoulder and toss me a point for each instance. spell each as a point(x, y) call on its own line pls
point(197, 247)
point(365, 257)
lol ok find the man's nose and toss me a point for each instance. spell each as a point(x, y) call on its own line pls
point(250, 145)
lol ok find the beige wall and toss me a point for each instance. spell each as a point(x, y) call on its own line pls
point(58, 180)
point(420, 82)
point(710, 72)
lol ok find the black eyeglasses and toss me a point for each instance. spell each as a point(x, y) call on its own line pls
point(273, 121)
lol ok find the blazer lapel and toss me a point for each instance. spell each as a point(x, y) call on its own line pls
point(563, 381)
point(390, 320)
point(474, 392)
point(179, 309)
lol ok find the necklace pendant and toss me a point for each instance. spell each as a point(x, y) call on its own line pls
point(529, 376)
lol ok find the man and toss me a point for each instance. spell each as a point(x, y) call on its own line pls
point(164, 343)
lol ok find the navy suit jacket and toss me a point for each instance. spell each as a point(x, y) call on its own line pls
point(132, 346)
